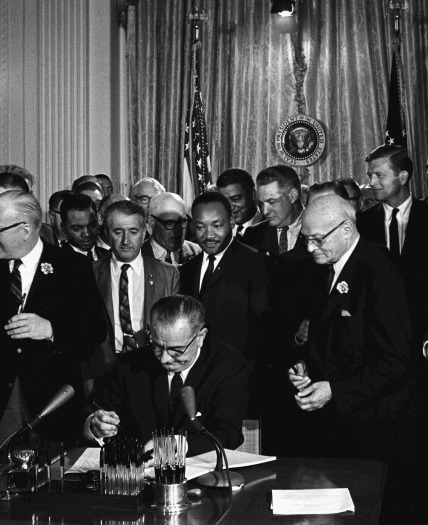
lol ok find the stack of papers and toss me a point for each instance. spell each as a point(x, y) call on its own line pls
point(195, 466)
point(312, 501)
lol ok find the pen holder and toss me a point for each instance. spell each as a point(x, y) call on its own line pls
point(170, 499)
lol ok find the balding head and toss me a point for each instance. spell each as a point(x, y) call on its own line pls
point(331, 219)
point(20, 219)
point(166, 210)
point(143, 190)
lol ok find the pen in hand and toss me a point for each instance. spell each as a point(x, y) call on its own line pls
point(98, 407)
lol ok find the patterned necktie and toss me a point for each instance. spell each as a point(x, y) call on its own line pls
point(16, 285)
point(174, 395)
point(394, 242)
point(168, 257)
point(208, 273)
point(124, 311)
point(283, 241)
point(90, 255)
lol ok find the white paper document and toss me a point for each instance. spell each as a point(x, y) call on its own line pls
point(195, 466)
point(312, 501)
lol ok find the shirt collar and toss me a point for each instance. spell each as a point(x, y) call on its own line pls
point(404, 207)
point(219, 255)
point(296, 225)
point(33, 257)
point(137, 264)
point(338, 266)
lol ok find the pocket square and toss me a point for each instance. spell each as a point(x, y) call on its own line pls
point(345, 313)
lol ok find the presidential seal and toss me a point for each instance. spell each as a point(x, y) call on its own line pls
point(300, 140)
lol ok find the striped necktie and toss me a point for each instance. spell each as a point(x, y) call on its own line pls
point(125, 312)
point(16, 285)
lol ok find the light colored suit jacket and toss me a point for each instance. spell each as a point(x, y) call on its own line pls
point(160, 280)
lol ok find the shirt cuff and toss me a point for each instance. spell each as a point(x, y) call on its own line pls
point(425, 349)
point(87, 432)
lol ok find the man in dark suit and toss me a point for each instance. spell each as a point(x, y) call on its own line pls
point(234, 291)
point(80, 224)
point(279, 194)
point(169, 222)
point(399, 221)
point(146, 280)
point(142, 393)
point(50, 320)
point(354, 376)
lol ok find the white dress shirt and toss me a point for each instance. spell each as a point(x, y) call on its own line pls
point(292, 232)
point(205, 262)
point(402, 220)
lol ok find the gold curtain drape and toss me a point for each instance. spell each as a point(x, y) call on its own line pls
point(249, 89)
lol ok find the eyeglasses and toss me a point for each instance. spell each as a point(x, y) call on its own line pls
point(319, 240)
point(11, 226)
point(144, 199)
point(171, 350)
point(171, 224)
point(56, 211)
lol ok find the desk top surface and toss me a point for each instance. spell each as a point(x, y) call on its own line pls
point(250, 505)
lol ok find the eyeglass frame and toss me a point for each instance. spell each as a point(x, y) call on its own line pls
point(177, 353)
point(177, 223)
point(318, 242)
point(143, 199)
point(56, 211)
point(12, 226)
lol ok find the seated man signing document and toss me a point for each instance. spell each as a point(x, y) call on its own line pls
point(142, 393)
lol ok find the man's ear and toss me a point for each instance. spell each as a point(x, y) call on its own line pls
point(150, 220)
point(51, 217)
point(201, 337)
point(232, 221)
point(349, 228)
point(404, 177)
point(294, 195)
point(100, 218)
point(63, 228)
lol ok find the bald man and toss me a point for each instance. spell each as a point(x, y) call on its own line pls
point(169, 222)
point(353, 376)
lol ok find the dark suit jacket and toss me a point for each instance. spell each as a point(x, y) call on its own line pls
point(68, 297)
point(101, 252)
point(359, 341)
point(413, 262)
point(160, 279)
point(262, 237)
point(235, 299)
point(137, 390)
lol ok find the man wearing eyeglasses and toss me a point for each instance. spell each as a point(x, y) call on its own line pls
point(50, 319)
point(142, 393)
point(169, 223)
point(354, 377)
point(130, 284)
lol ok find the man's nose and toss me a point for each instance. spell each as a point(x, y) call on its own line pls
point(311, 247)
point(85, 232)
point(125, 238)
point(164, 358)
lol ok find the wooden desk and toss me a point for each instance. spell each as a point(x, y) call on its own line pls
point(251, 505)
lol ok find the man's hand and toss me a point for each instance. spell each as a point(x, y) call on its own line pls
point(298, 375)
point(29, 326)
point(104, 424)
point(314, 396)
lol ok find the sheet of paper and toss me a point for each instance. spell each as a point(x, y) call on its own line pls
point(235, 459)
point(312, 501)
point(89, 460)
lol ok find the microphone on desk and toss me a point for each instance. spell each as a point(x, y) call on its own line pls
point(64, 394)
point(220, 477)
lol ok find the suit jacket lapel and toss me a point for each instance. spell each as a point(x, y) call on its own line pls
point(104, 285)
point(39, 276)
point(224, 263)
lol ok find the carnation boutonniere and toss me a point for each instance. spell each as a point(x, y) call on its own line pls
point(343, 287)
point(46, 268)
point(150, 279)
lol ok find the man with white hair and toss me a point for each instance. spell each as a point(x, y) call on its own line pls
point(354, 378)
point(169, 222)
point(50, 319)
point(143, 190)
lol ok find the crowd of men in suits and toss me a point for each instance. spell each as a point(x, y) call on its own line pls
point(299, 311)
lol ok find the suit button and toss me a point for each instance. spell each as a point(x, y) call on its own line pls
point(19, 350)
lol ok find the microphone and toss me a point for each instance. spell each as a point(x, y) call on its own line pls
point(64, 394)
point(220, 477)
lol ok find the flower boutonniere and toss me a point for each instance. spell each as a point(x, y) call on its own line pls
point(343, 287)
point(46, 268)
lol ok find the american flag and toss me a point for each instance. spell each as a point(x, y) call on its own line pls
point(395, 132)
point(197, 166)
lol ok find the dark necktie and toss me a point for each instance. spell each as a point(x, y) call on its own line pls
point(16, 285)
point(208, 273)
point(283, 241)
point(168, 257)
point(394, 242)
point(239, 231)
point(174, 395)
point(329, 281)
point(90, 255)
point(124, 311)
